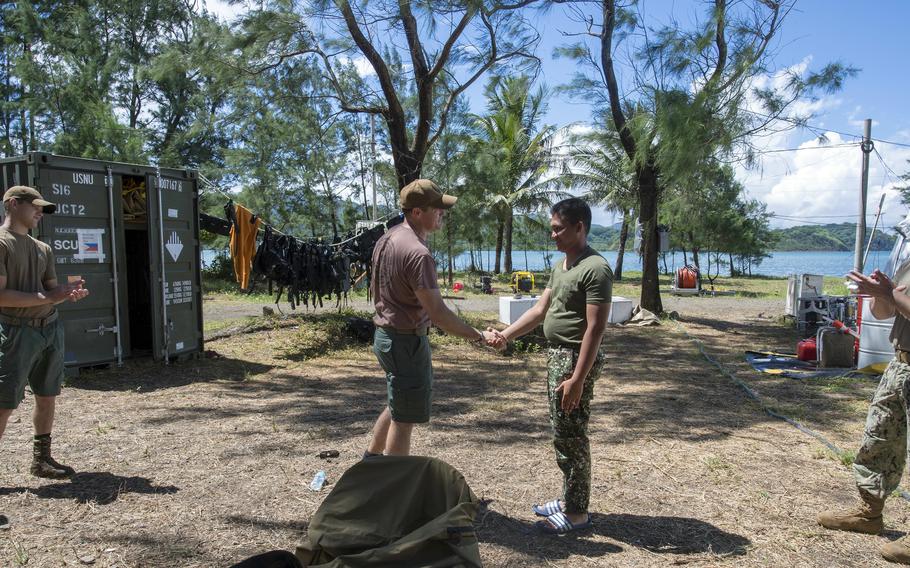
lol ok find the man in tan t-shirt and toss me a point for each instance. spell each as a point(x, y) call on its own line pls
point(406, 296)
point(30, 332)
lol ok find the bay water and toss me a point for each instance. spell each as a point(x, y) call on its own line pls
point(783, 263)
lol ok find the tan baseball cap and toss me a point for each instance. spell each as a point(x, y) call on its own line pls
point(25, 193)
point(425, 193)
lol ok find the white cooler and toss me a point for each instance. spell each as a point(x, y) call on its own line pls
point(511, 308)
point(621, 310)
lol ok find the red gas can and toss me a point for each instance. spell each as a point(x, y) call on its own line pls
point(807, 350)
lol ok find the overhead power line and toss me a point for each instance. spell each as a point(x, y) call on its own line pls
point(901, 144)
point(822, 129)
point(896, 177)
point(831, 147)
point(785, 218)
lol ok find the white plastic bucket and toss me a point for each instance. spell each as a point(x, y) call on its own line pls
point(874, 345)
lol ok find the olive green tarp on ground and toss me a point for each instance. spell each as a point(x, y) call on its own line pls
point(395, 511)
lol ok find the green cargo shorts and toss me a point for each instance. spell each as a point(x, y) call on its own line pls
point(33, 355)
point(408, 367)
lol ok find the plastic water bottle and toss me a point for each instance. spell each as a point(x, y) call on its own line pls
point(318, 481)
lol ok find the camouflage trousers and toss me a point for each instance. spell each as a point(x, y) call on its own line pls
point(570, 430)
point(882, 455)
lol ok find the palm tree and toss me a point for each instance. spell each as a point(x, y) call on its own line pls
point(598, 166)
point(515, 156)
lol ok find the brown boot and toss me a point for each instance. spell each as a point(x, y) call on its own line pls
point(867, 518)
point(43, 465)
point(897, 551)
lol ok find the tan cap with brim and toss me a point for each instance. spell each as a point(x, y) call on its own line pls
point(25, 193)
point(425, 193)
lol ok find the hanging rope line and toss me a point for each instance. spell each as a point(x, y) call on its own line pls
point(325, 239)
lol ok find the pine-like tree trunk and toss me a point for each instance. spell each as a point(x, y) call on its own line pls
point(509, 225)
point(623, 237)
point(694, 252)
point(648, 194)
point(407, 165)
point(499, 230)
point(449, 243)
point(732, 266)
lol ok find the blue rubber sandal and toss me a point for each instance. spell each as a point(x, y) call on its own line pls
point(559, 523)
point(548, 508)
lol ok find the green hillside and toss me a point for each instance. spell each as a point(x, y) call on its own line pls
point(832, 237)
point(607, 238)
point(838, 237)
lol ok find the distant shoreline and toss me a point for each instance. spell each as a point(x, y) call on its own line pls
point(603, 247)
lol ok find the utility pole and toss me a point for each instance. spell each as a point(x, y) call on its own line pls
point(866, 147)
point(373, 158)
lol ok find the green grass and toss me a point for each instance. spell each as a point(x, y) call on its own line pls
point(629, 286)
point(213, 326)
point(839, 384)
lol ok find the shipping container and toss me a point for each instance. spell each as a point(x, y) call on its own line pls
point(132, 233)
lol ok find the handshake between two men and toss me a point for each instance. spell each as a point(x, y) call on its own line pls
point(494, 338)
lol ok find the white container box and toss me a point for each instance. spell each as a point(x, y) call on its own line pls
point(621, 310)
point(511, 308)
point(802, 286)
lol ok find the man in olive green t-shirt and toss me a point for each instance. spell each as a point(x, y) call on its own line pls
point(573, 308)
point(31, 335)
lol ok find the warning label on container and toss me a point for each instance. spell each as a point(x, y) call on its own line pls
point(90, 244)
point(174, 246)
point(178, 292)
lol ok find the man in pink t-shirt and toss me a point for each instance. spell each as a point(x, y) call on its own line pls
point(407, 299)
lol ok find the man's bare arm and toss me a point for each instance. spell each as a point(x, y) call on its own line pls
point(442, 316)
point(53, 294)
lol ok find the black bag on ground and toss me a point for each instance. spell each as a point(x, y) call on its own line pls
point(395, 511)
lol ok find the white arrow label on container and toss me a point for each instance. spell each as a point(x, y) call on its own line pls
point(174, 246)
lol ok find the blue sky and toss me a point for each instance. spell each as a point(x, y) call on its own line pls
point(816, 184)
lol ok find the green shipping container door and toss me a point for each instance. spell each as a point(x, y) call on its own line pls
point(132, 233)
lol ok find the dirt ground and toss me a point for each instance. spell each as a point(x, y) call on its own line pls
point(202, 463)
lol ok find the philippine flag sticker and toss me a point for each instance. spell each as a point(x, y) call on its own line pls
point(91, 245)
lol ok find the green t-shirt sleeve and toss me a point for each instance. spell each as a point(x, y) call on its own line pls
point(598, 285)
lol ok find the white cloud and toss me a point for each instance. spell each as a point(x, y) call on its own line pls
point(821, 183)
point(363, 67)
point(223, 10)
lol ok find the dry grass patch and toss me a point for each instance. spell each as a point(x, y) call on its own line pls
point(206, 462)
